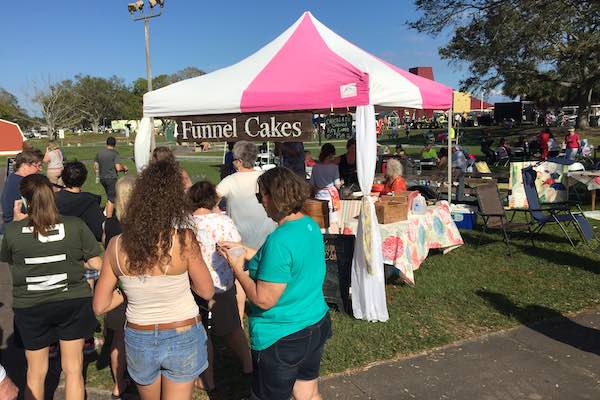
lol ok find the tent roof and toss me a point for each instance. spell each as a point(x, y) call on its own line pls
point(307, 67)
point(11, 138)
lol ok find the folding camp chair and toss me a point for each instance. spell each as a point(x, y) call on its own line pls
point(548, 213)
point(502, 159)
point(493, 214)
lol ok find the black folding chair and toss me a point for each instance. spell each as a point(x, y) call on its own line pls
point(494, 216)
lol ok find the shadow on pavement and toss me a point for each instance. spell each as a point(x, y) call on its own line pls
point(547, 321)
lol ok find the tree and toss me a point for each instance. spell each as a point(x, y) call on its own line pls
point(10, 109)
point(57, 104)
point(98, 99)
point(140, 85)
point(529, 47)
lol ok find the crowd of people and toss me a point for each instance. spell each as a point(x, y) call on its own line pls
point(545, 145)
point(168, 271)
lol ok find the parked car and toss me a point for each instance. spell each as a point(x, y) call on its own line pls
point(33, 134)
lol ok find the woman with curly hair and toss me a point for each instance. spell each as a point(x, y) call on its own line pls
point(154, 259)
point(289, 320)
point(165, 153)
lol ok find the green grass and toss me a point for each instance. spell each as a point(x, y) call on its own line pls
point(471, 291)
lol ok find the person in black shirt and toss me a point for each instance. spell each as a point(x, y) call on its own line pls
point(115, 319)
point(292, 157)
point(73, 202)
point(486, 148)
point(347, 164)
point(228, 168)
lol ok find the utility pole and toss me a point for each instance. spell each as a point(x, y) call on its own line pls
point(148, 64)
point(138, 8)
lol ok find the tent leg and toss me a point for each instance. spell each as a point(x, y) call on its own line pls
point(449, 156)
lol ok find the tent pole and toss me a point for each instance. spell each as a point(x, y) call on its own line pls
point(450, 156)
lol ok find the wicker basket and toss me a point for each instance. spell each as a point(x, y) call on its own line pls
point(317, 210)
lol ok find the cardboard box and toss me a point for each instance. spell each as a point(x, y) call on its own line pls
point(389, 211)
point(408, 196)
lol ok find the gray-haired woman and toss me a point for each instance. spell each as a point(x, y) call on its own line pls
point(239, 190)
point(394, 181)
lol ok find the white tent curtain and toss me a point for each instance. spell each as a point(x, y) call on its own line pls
point(143, 144)
point(368, 280)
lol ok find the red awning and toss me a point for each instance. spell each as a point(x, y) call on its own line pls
point(11, 138)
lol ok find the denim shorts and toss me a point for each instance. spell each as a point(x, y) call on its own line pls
point(294, 357)
point(179, 355)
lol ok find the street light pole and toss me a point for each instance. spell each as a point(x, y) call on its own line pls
point(148, 64)
point(138, 6)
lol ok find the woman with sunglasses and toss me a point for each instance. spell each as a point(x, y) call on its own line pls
point(247, 214)
point(26, 163)
point(289, 319)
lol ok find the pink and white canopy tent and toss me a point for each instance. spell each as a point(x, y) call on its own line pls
point(310, 67)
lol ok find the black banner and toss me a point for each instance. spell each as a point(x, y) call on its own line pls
point(258, 127)
point(338, 126)
point(339, 250)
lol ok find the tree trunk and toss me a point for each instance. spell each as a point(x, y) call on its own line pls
point(583, 113)
point(95, 125)
point(51, 127)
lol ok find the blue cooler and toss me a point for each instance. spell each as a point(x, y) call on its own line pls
point(464, 217)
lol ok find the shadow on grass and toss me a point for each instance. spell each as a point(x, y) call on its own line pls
point(567, 258)
point(477, 238)
point(546, 321)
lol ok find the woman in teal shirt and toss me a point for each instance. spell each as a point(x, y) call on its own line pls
point(289, 319)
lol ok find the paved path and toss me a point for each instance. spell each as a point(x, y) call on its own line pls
point(553, 360)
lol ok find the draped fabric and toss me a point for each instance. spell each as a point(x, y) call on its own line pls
point(368, 281)
point(143, 144)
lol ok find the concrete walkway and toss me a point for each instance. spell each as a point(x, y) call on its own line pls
point(552, 360)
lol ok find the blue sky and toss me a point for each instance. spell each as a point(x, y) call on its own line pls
point(44, 40)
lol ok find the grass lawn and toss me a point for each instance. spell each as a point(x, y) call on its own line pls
point(471, 291)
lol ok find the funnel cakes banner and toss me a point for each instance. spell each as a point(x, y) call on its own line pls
point(261, 127)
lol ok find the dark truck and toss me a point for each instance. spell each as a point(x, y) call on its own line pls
point(514, 113)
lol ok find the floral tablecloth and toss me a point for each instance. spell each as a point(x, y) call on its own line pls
point(589, 178)
point(406, 244)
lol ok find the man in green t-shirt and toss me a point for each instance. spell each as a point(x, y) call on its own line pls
point(428, 152)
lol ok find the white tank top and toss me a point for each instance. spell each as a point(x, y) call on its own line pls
point(157, 299)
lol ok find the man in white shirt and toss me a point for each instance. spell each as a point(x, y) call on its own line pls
point(8, 390)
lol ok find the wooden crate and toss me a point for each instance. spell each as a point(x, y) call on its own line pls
point(406, 197)
point(390, 211)
point(317, 210)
